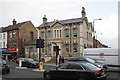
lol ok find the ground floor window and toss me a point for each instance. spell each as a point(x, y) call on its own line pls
point(27, 50)
point(43, 50)
point(31, 50)
point(35, 50)
point(75, 47)
point(66, 48)
point(49, 48)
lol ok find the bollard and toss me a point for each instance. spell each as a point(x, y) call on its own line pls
point(41, 66)
point(20, 63)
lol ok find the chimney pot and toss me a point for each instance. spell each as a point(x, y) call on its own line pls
point(14, 22)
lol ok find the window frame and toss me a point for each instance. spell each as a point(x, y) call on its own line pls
point(74, 32)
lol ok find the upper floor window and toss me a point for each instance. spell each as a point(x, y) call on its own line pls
point(43, 35)
point(60, 33)
point(14, 34)
point(75, 32)
point(57, 33)
point(66, 33)
point(3, 44)
point(3, 36)
point(10, 34)
point(11, 43)
point(14, 42)
point(31, 35)
point(49, 34)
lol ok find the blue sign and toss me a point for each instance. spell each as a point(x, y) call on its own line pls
point(3, 50)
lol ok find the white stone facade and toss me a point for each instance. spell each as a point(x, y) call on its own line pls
point(3, 40)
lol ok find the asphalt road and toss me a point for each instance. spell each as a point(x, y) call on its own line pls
point(29, 74)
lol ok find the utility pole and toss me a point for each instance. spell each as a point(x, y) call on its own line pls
point(94, 32)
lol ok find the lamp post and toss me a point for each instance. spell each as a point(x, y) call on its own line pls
point(94, 30)
point(96, 39)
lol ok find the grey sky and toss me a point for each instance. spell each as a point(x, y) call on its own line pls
point(24, 10)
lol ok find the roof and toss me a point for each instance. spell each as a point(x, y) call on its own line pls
point(13, 27)
point(67, 21)
point(31, 42)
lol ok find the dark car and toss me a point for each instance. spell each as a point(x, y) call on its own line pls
point(87, 59)
point(28, 62)
point(77, 71)
point(4, 67)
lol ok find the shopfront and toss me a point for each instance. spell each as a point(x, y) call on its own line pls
point(8, 53)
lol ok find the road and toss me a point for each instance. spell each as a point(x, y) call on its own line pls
point(29, 74)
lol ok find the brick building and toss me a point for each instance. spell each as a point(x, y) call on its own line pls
point(17, 35)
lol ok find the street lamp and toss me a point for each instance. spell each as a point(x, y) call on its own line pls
point(94, 30)
point(94, 25)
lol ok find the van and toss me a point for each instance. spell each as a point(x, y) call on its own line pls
point(107, 56)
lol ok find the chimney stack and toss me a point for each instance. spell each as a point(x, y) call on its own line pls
point(44, 19)
point(14, 22)
point(83, 12)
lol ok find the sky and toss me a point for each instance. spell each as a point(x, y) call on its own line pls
point(34, 10)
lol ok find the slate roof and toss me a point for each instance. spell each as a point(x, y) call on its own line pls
point(67, 21)
point(31, 42)
point(13, 27)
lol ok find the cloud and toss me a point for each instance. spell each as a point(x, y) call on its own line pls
point(109, 30)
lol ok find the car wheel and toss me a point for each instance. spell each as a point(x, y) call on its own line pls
point(47, 77)
point(81, 79)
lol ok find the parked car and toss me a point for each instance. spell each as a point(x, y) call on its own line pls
point(4, 67)
point(87, 59)
point(28, 62)
point(77, 71)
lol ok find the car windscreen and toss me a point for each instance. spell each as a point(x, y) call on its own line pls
point(29, 59)
point(75, 59)
point(90, 66)
point(91, 60)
